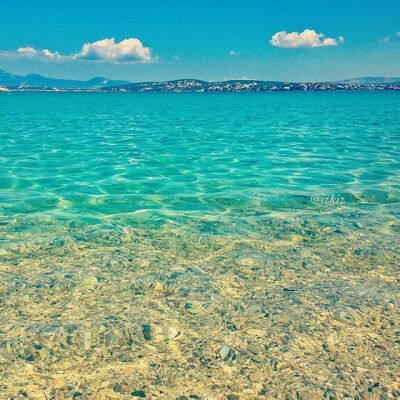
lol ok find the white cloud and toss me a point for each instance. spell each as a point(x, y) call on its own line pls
point(307, 38)
point(27, 51)
point(106, 50)
point(128, 50)
point(234, 53)
point(398, 33)
point(30, 52)
point(385, 39)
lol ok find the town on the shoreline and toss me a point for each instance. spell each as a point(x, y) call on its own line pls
point(199, 86)
point(192, 85)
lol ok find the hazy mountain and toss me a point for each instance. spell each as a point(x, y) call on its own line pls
point(33, 81)
point(11, 80)
point(371, 80)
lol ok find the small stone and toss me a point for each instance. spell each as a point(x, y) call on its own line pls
point(105, 384)
point(87, 340)
point(138, 393)
point(255, 376)
point(118, 388)
point(143, 263)
point(125, 357)
point(256, 332)
point(175, 275)
point(194, 308)
point(232, 397)
point(146, 330)
point(158, 287)
point(309, 395)
point(109, 395)
point(231, 327)
point(254, 349)
point(59, 383)
point(91, 281)
point(224, 351)
point(173, 347)
point(257, 359)
point(172, 332)
point(246, 262)
point(58, 242)
point(227, 353)
point(43, 354)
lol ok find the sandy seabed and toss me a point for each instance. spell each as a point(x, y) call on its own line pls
point(293, 308)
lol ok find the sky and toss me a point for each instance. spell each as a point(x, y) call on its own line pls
point(153, 40)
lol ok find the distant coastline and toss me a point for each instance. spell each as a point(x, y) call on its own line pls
point(193, 86)
point(29, 83)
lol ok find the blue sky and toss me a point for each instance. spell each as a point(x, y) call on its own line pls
point(210, 40)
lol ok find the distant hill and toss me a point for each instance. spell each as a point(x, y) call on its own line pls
point(38, 82)
point(371, 80)
point(196, 85)
point(11, 80)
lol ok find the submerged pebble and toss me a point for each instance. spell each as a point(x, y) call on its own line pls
point(147, 332)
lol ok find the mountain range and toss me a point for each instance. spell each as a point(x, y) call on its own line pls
point(33, 80)
point(9, 80)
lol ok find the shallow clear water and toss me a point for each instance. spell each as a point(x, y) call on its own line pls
point(267, 223)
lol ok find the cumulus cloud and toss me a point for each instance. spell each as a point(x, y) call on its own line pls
point(27, 51)
point(308, 38)
point(30, 52)
point(234, 53)
point(105, 50)
point(398, 33)
point(128, 50)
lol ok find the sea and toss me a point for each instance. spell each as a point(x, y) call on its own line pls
point(199, 245)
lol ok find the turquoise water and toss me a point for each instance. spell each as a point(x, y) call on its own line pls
point(215, 214)
point(95, 158)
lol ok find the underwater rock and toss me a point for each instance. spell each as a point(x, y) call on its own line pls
point(118, 388)
point(227, 353)
point(256, 332)
point(138, 393)
point(308, 395)
point(158, 287)
point(256, 376)
point(172, 332)
point(147, 332)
